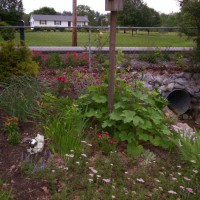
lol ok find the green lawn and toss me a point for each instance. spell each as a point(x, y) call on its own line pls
point(141, 39)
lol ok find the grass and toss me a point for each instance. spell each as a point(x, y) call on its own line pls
point(141, 39)
point(92, 175)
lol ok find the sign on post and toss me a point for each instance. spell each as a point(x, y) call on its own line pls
point(114, 5)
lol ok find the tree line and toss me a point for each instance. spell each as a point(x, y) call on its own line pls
point(135, 13)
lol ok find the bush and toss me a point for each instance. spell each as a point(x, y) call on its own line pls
point(137, 115)
point(16, 60)
point(55, 61)
point(7, 33)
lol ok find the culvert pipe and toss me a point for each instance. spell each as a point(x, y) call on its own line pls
point(179, 101)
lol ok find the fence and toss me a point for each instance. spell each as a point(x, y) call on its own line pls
point(90, 39)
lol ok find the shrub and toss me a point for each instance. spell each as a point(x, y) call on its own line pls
point(16, 60)
point(7, 33)
point(137, 115)
point(55, 60)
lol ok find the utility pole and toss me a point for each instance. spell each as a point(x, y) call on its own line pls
point(74, 29)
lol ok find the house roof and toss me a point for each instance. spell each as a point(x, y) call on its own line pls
point(58, 18)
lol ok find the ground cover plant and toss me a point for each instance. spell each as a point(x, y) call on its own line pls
point(90, 154)
point(141, 39)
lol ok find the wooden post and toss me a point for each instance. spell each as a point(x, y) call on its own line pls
point(111, 80)
point(113, 6)
point(74, 29)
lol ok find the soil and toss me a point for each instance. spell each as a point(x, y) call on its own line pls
point(11, 157)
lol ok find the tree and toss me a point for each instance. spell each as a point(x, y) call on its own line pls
point(136, 13)
point(170, 20)
point(190, 10)
point(45, 11)
point(93, 16)
point(11, 11)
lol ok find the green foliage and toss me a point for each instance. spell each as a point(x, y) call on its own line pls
point(55, 61)
point(64, 127)
point(18, 96)
point(10, 127)
point(189, 148)
point(7, 33)
point(16, 60)
point(137, 13)
point(137, 115)
point(148, 57)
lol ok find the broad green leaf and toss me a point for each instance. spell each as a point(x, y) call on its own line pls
point(138, 121)
point(99, 99)
point(128, 116)
point(93, 113)
point(115, 115)
point(143, 136)
point(155, 140)
point(107, 123)
point(129, 137)
point(119, 105)
point(134, 149)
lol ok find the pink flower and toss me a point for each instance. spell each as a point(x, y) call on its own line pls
point(187, 179)
point(182, 187)
point(190, 190)
point(172, 192)
point(106, 180)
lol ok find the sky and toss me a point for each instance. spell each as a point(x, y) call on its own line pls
point(164, 6)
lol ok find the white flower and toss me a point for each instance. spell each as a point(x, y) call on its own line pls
point(193, 161)
point(90, 180)
point(84, 155)
point(195, 171)
point(90, 145)
point(92, 175)
point(140, 180)
point(77, 162)
point(71, 150)
point(113, 197)
point(83, 142)
point(174, 179)
point(125, 172)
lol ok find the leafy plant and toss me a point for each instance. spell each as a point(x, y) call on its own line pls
point(11, 128)
point(137, 115)
point(19, 95)
point(63, 123)
point(16, 60)
point(7, 33)
point(189, 148)
point(55, 61)
point(106, 143)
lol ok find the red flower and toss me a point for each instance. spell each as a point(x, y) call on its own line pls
point(62, 79)
point(99, 136)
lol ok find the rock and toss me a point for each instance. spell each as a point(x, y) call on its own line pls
point(180, 81)
point(196, 76)
point(148, 77)
point(184, 129)
point(178, 86)
point(185, 117)
point(169, 114)
point(187, 76)
point(170, 87)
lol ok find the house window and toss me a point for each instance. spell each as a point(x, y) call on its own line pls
point(43, 22)
point(57, 22)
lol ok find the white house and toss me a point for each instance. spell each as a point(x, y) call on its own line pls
point(56, 21)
